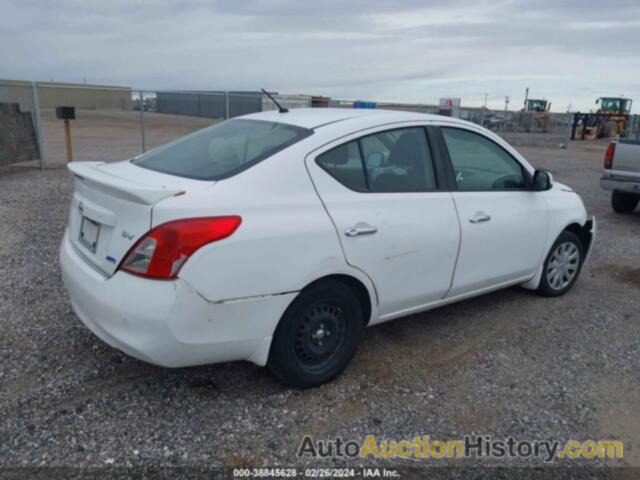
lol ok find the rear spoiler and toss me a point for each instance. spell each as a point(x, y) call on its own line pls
point(92, 175)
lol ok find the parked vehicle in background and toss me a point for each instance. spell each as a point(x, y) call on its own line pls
point(278, 236)
point(621, 174)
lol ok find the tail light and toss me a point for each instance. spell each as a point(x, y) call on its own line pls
point(608, 155)
point(163, 250)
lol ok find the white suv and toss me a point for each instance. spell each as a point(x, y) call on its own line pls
point(277, 237)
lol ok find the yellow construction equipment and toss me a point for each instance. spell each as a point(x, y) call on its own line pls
point(610, 120)
point(615, 114)
point(536, 105)
point(535, 115)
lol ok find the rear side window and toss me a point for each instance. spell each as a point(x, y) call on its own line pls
point(344, 163)
point(480, 164)
point(222, 150)
point(398, 161)
point(390, 161)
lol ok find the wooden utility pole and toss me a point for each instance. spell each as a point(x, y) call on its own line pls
point(67, 114)
point(67, 138)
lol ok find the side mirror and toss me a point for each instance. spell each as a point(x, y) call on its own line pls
point(542, 181)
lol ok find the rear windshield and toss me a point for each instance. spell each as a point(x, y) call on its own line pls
point(222, 150)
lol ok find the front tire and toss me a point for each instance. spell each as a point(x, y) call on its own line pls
point(562, 265)
point(318, 335)
point(622, 202)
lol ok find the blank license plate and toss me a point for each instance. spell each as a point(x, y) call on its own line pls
point(89, 231)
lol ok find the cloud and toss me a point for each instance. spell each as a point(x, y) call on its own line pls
point(407, 50)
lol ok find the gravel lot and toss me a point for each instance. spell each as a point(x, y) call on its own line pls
point(509, 363)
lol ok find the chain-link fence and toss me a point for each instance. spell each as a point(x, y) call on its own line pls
point(93, 132)
point(115, 123)
point(633, 128)
point(164, 115)
point(544, 129)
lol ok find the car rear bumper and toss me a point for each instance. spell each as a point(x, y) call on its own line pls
point(631, 185)
point(168, 323)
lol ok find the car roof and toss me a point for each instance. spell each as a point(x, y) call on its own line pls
point(335, 123)
point(314, 118)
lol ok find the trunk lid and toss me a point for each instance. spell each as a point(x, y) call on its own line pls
point(112, 207)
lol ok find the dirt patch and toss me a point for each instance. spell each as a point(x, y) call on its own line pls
point(618, 418)
point(621, 273)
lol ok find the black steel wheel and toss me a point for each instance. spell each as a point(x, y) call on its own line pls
point(318, 335)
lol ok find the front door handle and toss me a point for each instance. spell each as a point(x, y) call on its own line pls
point(479, 217)
point(360, 229)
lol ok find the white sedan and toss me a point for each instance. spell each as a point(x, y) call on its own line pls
point(277, 237)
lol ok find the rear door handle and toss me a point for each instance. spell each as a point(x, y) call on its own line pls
point(360, 229)
point(479, 217)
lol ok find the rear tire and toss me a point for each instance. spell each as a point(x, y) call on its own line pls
point(622, 202)
point(562, 265)
point(317, 336)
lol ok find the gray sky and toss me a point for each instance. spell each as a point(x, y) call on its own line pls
point(570, 52)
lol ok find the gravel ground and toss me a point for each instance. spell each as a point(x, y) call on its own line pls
point(505, 364)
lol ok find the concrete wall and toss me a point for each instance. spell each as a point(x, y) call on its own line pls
point(53, 94)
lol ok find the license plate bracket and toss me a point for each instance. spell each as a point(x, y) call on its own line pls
point(89, 233)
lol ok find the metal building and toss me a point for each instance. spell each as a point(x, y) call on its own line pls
point(53, 94)
point(210, 104)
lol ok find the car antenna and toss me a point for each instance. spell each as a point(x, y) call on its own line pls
point(281, 109)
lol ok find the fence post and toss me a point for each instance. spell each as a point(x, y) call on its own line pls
point(226, 105)
point(36, 123)
point(142, 133)
point(569, 132)
point(635, 126)
point(533, 128)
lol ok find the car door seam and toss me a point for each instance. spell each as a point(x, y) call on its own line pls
point(337, 231)
point(455, 265)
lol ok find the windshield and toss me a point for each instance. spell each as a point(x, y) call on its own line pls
point(222, 150)
point(619, 105)
point(537, 105)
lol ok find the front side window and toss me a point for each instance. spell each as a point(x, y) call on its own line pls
point(390, 161)
point(222, 150)
point(480, 164)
